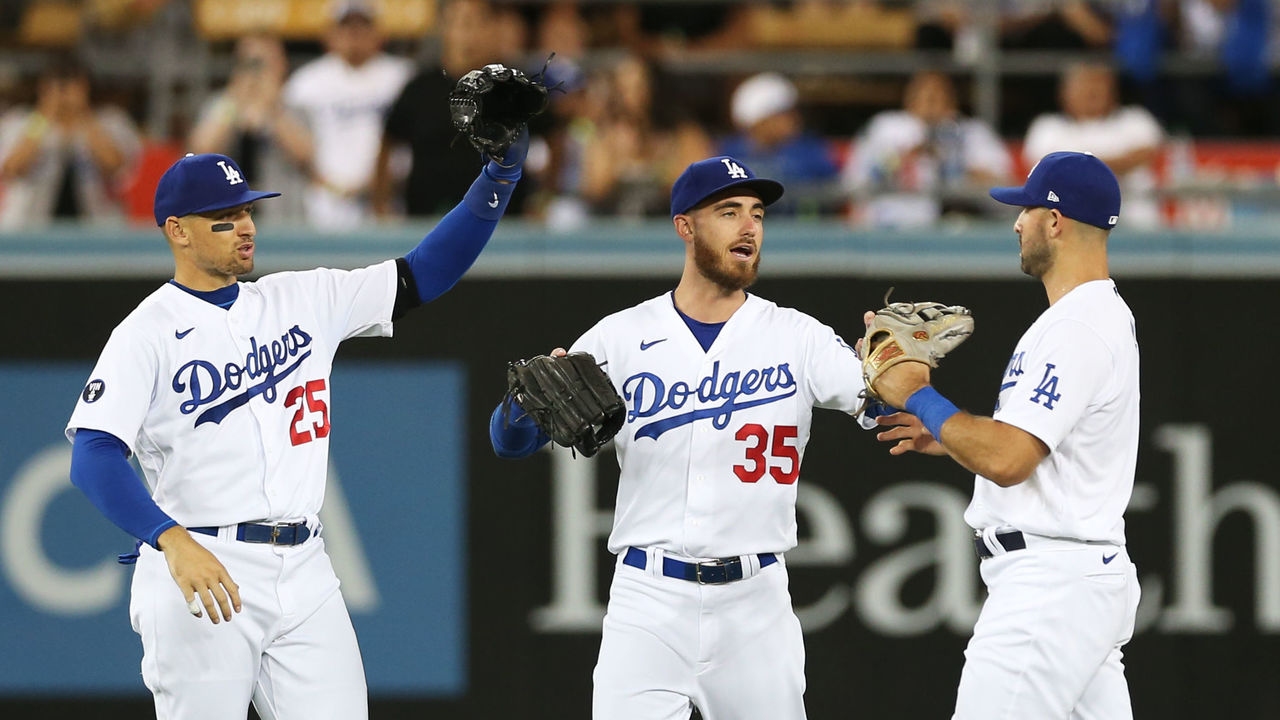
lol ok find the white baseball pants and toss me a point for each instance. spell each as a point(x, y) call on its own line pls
point(1047, 642)
point(734, 650)
point(292, 650)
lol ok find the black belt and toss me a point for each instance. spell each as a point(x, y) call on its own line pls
point(1010, 540)
point(714, 572)
point(287, 534)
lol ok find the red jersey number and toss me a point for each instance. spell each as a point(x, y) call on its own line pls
point(312, 406)
point(785, 467)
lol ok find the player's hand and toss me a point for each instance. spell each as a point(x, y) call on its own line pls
point(201, 578)
point(910, 434)
point(558, 352)
point(867, 317)
point(901, 381)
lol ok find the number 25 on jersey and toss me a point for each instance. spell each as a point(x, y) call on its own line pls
point(309, 407)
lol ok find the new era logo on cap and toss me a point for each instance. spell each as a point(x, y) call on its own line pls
point(202, 183)
point(1090, 189)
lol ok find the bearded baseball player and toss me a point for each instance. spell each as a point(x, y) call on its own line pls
point(221, 390)
point(719, 387)
point(1054, 466)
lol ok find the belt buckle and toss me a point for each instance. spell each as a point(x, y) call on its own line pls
point(275, 533)
point(697, 570)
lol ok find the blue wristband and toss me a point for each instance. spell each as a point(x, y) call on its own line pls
point(498, 172)
point(932, 409)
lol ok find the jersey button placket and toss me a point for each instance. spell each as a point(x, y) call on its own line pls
point(699, 495)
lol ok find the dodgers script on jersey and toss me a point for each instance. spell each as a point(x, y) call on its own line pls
point(1073, 383)
point(228, 410)
point(713, 441)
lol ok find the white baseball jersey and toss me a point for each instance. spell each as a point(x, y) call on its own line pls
point(1073, 383)
point(713, 441)
point(228, 410)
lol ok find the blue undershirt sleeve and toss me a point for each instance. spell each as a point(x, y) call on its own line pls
point(100, 468)
point(453, 245)
point(520, 437)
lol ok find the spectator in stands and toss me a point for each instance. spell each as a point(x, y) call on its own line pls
point(772, 141)
point(1020, 24)
point(64, 158)
point(1127, 139)
point(1055, 24)
point(916, 164)
point(650, 29)
point(1241, 98)
point(249, 122)
point(557, 152)
point(421, 170)
point(344, 97)
point(631, 156)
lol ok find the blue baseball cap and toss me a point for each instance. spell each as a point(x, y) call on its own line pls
point(707, 177)
point(202, 183)
point(1079, 185)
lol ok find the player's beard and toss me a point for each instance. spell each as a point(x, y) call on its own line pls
point(1036, 256)
point(235, 267)
point(716, 266)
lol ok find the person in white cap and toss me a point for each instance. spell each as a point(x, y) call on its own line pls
point(772, 138)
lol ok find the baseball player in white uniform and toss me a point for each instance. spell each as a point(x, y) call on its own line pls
point(1054, 466)
point(221, 390)
point(720, 386)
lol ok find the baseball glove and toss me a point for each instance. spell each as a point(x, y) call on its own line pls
point(491, 105)
point(569, 397)
point(911, 332)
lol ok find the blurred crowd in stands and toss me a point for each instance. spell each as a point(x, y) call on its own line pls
point(354, 128)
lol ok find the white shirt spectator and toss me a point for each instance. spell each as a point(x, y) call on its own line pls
point(345, 107)
point(30, 200)
point(904, 165)
point(1123, 131)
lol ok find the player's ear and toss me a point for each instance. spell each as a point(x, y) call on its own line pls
point(684, 227)
point(1056, 222)
point(175, 232)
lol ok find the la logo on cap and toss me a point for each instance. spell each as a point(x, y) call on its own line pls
point(233, 175)
point(734, 169)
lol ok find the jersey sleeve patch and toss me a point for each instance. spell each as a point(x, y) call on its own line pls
point(93, 391)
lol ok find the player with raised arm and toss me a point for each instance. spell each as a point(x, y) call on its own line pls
point(719, 387)
point(1054, 466)
point(220, 389)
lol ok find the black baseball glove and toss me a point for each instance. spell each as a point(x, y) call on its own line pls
point(570, 398)
point(490, 106)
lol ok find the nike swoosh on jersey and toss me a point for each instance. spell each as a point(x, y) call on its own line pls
point(646, 345)
point(182, 333)
point(1106, 559)
point(494, 204)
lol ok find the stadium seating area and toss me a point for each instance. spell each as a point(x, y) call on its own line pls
point(648, 84)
